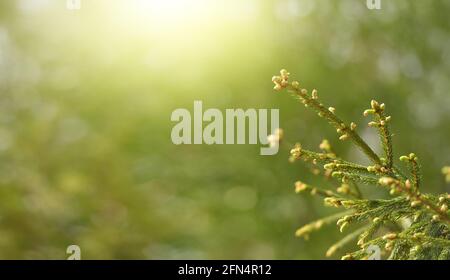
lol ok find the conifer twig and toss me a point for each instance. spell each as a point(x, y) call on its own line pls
point(419, 224)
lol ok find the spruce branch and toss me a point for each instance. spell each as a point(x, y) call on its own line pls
point(414, 167)
point(418, 224)
point(346, 131)
point(381, 121)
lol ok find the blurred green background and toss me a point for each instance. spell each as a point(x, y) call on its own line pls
point(86, 97)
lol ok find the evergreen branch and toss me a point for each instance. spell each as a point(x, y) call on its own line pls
point(414, 168)
point(417, 199)
point(381, 122)
point(418, 223)
point(346, 131)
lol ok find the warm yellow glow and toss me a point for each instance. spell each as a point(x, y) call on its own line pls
point(174, 11)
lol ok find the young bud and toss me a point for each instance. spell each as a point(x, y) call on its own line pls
point(332, 110)
point(340, 222)
point(346, 258)
point(343, 226)
point(408, 184)
point(390, 236)
point(353, 126)
point(325, 145)
point(374, 104)
point(404, 158)
point(368, 111)
point(416, 203)
point(331, 201)
point(360, 242)
point(329, 166)
point(374, 169)
point(276, 79)
point(344, 137)
point(299, 187)
point(314, 94)
point(284, 73)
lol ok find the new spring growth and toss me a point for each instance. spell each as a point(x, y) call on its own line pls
point(281, 81)
point(425, 213)
point(332, 201)
point(410, 157)
point(380, 121)
point(343, 223)
point(296, 152)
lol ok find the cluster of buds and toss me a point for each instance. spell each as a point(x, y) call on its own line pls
point(343, 222)
point(375, 108)
point(395, 185)
point(378, 109)
point(332, 201)
point(296, 152)
point(377, 169)
point(282, 80)
point(302, 187)
point(443, 206)
point(409, 158)
point(275, 138)
point(342, 130)
point(390, 238)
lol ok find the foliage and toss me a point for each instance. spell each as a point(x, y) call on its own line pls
point(410, 225)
